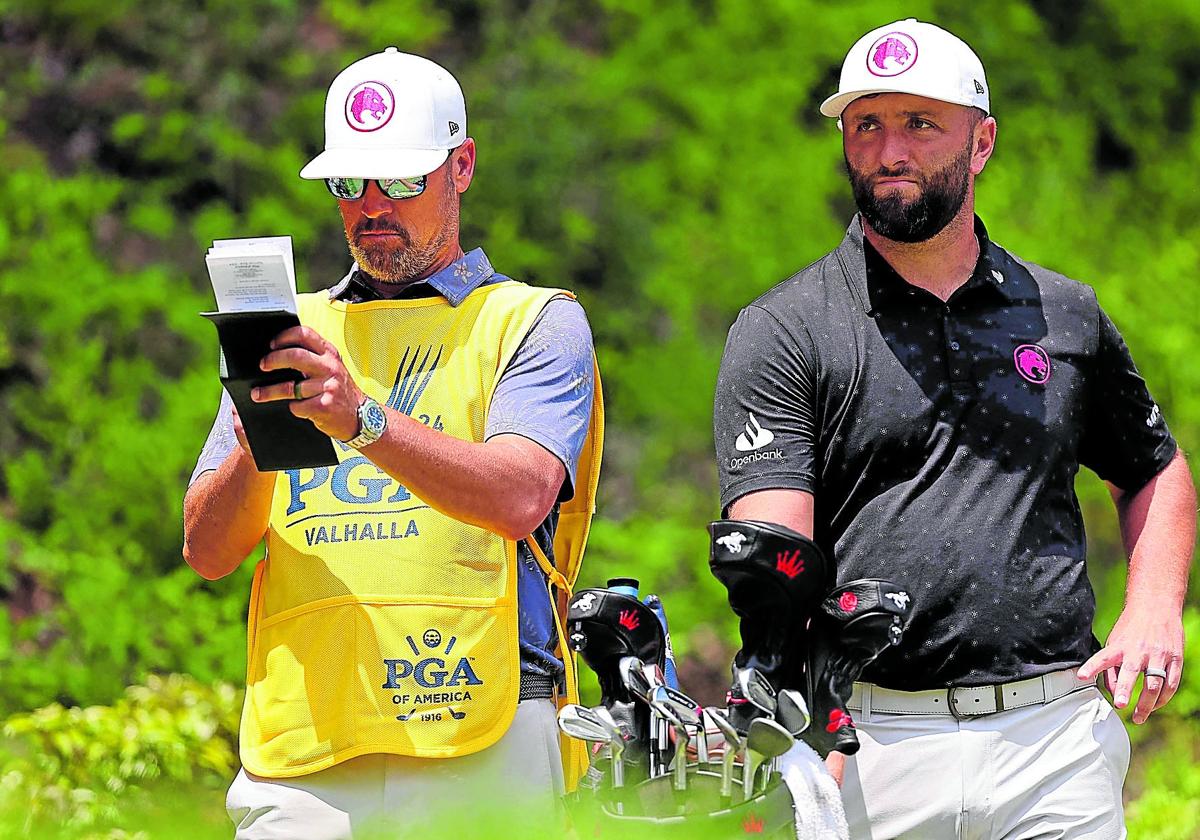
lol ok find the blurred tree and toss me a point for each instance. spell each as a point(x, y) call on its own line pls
point(666, 161)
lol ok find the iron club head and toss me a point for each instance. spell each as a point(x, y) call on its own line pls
point(663, 709)
point(690, 713)
point(756, 689)
point(792, 711)
point(616, 744)
point(733, 745)
point(767, 739)
point(583, 723)
point(633, 676)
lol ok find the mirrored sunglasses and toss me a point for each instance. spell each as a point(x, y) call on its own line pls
point(352, 189)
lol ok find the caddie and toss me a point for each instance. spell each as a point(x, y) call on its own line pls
point(919, 401)
point(405, 624)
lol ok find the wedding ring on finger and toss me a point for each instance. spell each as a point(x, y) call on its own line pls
point(1155, 672)
point(296, 395)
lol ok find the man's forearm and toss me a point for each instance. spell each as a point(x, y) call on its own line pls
point(506, 485)
point(1158, 525)
point(225, 514)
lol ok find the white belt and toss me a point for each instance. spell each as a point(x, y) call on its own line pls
point(966, 701)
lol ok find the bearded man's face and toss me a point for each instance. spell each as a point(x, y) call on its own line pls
point(909, 163)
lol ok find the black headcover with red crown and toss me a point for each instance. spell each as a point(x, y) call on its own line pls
point(604, 626)
point(761, 562)
point(775, 579)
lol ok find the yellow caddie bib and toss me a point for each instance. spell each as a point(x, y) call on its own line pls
point(377, 624)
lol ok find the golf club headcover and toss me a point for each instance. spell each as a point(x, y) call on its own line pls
point(775, 578)
point(855, 623)
point(604, 626)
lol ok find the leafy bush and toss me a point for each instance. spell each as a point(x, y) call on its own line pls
point(83, 769)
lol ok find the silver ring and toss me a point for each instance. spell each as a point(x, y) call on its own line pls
point(296, 395)
point(1155, 672)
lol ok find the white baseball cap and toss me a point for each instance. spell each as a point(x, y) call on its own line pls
point(910, 56)
point(390, 115)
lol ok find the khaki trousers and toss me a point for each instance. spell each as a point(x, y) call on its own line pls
point(518, 780)
point(1047, 771)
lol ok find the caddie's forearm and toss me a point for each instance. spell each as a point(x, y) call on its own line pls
point(1158, 526)
point(225, 515)
point(501, 485)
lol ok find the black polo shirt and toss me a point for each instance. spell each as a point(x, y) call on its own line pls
point(941, 443)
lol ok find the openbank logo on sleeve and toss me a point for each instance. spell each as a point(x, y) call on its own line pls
point(755, 437)
point(377, 501)
point(753, 440)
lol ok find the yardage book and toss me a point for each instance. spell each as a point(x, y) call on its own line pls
point(254, 281)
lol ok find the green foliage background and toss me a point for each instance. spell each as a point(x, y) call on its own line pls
point(665, 160)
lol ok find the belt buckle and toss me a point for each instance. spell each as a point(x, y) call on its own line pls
point(950, 689)
point(954, 713)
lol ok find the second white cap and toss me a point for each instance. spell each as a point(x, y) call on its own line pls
point(911, 56)
point(390, 115)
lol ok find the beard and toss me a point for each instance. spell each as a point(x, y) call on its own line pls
point(942, 195)
point(407, 261)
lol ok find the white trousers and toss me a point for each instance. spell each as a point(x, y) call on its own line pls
point(518, 780)
point(1036, 773)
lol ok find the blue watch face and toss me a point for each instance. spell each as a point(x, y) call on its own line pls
point(374, 418)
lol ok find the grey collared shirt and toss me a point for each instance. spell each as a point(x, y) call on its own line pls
point(454, 282)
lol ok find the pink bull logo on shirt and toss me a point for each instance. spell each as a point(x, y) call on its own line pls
point(892, 54)
point(369, 106)
point(1033, 363)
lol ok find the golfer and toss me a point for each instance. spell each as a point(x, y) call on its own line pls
point(919, 401)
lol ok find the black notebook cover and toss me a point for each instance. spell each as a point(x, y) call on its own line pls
point(279, 440)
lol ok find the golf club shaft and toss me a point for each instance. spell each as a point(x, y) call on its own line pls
point(681, 745)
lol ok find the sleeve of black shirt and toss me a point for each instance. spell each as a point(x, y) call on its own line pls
point(764, 417)
point(1125, 437)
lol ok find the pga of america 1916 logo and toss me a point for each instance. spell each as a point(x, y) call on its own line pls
point(434, 678)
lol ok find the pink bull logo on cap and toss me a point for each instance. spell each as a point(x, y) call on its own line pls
point(369, 106)
point(892, 54)
point(367, 99)
point(1033, 363)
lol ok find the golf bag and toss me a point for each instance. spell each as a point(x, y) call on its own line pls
point(605, 626)
point(654, 811)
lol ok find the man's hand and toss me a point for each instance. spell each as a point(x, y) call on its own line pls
point(329, 397)
point(1145, 636)
point(1158, 526)
point(835, 763)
